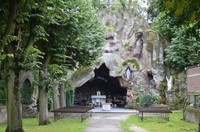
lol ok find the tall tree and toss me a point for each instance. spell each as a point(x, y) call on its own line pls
point(41, 29)
point(179, 22)
point(75, 39)
point(17, 35)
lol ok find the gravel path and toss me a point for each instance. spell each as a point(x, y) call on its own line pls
point(109, 122)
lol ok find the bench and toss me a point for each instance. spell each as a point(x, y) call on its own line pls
point(162, 110)
point(83, 110)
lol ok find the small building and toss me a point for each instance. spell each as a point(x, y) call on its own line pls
point(192, 111)
point(193, 83)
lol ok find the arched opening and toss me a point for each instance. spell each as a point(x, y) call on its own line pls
point(105, 84)
point(26, 92)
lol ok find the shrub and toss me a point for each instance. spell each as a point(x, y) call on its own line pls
point(147, 99)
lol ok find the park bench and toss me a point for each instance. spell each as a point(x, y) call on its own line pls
point(84, 111)
point(161, 110)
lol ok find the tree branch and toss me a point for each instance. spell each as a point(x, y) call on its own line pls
point(29, 43)
point(13, 10)
point(11, 22)
point(47, 60)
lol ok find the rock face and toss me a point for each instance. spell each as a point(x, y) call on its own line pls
point(130, 38)
point(135, 54)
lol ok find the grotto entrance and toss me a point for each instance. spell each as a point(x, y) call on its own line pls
point(105, 84)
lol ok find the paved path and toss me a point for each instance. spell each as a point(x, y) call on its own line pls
point(109, 122)
point(106, 122)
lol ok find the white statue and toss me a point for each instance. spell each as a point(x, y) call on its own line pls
point(98, 93)
point(169, 82)
point(128, 73)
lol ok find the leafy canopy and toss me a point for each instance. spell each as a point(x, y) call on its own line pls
point(179, 22)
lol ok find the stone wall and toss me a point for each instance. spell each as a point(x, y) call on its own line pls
point(192, 114)
point(193, 79)
point(3, 114)
point(29, 111)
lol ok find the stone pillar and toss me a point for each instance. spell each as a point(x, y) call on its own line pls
point(170, 97)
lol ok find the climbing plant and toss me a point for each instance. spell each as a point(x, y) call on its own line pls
point(133, 62)
point(70, 91)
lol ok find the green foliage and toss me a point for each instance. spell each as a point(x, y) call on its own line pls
point(136, 9)
point(133, 62)
point(96, 4)
point(70, 97)
point(56, 71)
point(2, 57)
point(108, 28)
point(67, 30)
point(163, 25)
point(76, 38)
point(147, 100)
point(85, 35)
point(82, 71)
point(153, 9)
point(70, 91)
point(178, 21)
point(123, 3)
point(182, 51)
point(179, 12)
point(34, 34)
point(33, 56)
point(50, 102)
point(131, 6)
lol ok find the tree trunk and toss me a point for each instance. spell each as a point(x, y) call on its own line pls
point(62, 95)
point(13, 11)
point(14, 107)
point(12, 75)
point(55, 92)
point(43, 98)
point(43, 106)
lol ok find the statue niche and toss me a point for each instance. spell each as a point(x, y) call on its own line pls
point(138, 46)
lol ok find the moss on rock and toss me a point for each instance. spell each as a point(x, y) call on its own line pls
point(82, 71)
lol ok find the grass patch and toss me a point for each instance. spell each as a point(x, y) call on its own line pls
point(61, 125)
point(176, 124)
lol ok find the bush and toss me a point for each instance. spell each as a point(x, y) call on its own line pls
point(147, 99)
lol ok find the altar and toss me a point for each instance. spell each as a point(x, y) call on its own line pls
point(98, 100)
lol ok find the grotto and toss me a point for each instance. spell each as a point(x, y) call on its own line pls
point(107, 86)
